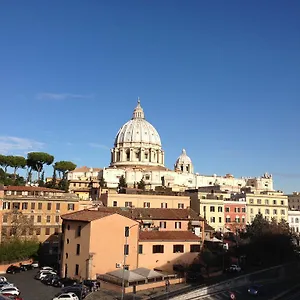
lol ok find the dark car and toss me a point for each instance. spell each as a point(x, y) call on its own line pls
point(93, 285)
point(13, 269)
point(256, 290)
point(26, 267)
point(81, 291)
point(48, 280)
point(62, 282)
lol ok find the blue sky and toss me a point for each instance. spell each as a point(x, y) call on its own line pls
point(219, 78)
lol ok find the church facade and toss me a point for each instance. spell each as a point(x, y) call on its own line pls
point(137, 154)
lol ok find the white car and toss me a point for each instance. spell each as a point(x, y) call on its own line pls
point(35, 264)
point(235, 268)
point(44, 274)
point(12, 290)
point(47, 269)
point(3, 279)
point(66, 296)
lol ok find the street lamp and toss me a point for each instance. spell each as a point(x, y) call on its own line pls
point(127, 229)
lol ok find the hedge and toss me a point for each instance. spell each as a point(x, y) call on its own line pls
point(14, 250)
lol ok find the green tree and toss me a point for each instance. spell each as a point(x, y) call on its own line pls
point(122, 182)
point(63, 167)
point(53, 182)
point(258, 227)
point(141, 185)
point(17, 162)
point(37, 160)
point(5, 162)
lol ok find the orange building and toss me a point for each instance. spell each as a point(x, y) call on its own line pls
point(94, 241)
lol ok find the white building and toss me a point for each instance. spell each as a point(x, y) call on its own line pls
point(137, 154)
point(294, 220)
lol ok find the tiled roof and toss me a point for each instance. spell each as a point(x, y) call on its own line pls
point(208, 227)
point(86, 215)
point(154, 213)
point(31, 189)
point(168, 235)
point(85, 169)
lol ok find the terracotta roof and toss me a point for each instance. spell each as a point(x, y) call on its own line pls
point(86, 215)
point(154, 213)
point(168, 235)
point(208, 227)
point(31, 189)
point(85, 169)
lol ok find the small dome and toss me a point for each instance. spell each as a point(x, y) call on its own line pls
point(138, 130)
point(183, 158)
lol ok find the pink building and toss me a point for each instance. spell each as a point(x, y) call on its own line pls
point(235, 212)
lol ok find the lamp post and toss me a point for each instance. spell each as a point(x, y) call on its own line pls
point(127, 230)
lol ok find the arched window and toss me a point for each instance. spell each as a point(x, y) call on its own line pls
point(128, 155)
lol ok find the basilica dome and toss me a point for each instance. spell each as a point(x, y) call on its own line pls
point(138, 130)
point(184, 163)
point(137, 143)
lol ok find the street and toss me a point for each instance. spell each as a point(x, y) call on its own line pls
point(273, 289)
point(30, 288)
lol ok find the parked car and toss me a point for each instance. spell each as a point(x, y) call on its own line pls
point(256, 290)
point(63, 282)
point(233, 269)
point(3, 279)
point(49, 279)
point(42, 274)
point(80, 290)
point(35, 264)
point(46, 268)
point(66, 296)
point(26, 267)
point(13, 269)
point(5, 283)
point(12, 290)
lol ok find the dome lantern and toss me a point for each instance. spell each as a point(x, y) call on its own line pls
point(138, 112)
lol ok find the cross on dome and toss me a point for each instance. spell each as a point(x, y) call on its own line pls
point(138, 112)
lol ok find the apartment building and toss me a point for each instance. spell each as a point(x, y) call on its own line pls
point(95, 241)
point(271, 204)
point(144, 200)
point(41, 208)
point(209, 203)
point(235, 212)
point(294, 201)
point(294, 220)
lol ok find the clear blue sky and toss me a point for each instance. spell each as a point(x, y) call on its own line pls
point(219, 78)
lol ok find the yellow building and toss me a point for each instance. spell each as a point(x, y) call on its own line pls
point(40, 209)
point(209, 203)
point(271, 204)
point(144, 200)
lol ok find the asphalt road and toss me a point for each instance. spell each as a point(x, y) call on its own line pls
point(30, 288)
point(272, 289)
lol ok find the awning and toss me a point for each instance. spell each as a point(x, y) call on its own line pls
point(129, 276)
point(149, 274)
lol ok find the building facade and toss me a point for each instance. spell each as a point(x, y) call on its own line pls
point(271, 204)
point(95, 241)
point(294, 201)
point(294, 220)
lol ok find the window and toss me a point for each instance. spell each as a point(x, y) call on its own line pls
point(243, 219)
point(243, 209)
point(212, 219)
point(57, 206)
point(282, 202)
point(77, 249)
point(267, 202)
point(71, 206)
point(31, 219)
point(115, 203)
point(24, 205)
point(274, 202)
point(283, 212)
point(16, 205)
point(227, 209)
point(5, 218)
point(39, 219)
point(178, 249)
point(212, 209)
point(194, 248)
point(38, 231)
point(177, 225)
point(258, 201)
point(140, 249)
point(48, 219)
point(126, 249)
point(47, 231)
point(164, 205)
point(162, 224)
point(251, 210)
point(30, 231)
point(32, 205)
point(126, 231)
point(228, 220)
point(251, 201)
point(237, 219)
point(49, 205)
point(57, 219)
point(146, 204)
point(181, 205)
point(56, 231)
point(220, 209)
point(275, 211)
point(76, 269)
point(267, 211)
point(128, 204)
point(158, 249)
point(259, 211)
point(79, 231)
point(220, 219)
point(40, 206)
